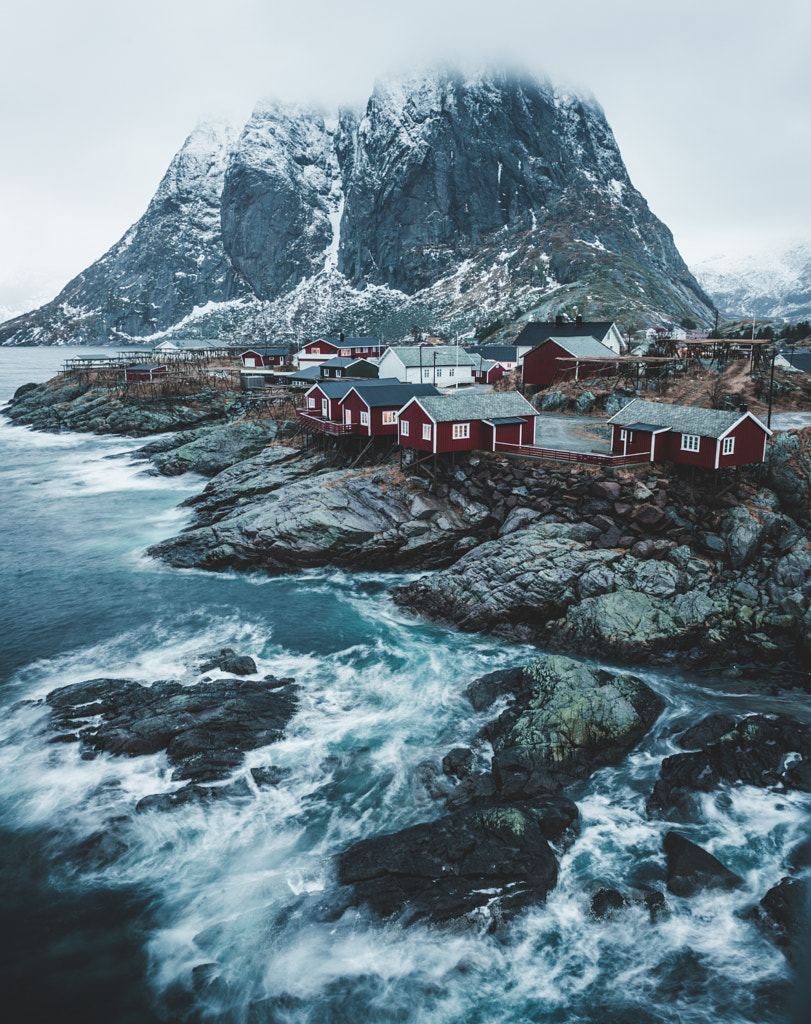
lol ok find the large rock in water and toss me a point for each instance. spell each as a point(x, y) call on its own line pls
point(204, 728)
point(761, 750)
point(445, 869)
point(574, 719)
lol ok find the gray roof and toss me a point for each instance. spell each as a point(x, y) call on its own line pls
point(687, 419)
point(338, 388)
point(535, 333)
point(498, 353)
point(392, 394)
point(583, 346)
point(488, 406)
point(428, 356)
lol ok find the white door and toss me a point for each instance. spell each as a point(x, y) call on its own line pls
point(348, 417)
point(325, 408)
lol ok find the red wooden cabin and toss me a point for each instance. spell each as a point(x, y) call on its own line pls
point(145, 371)
point(265, 356)
point(708, 438)
point(558, 359)
point(373, 411)
point(324, 398)
point(462, 423)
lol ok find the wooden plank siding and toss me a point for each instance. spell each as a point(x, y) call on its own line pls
point(542, 366)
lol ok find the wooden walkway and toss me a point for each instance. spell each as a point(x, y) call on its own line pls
point(531, 451)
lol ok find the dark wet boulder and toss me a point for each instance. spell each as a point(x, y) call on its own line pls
point(485, 691)
point(445, 869)
point(458, 762)
point(227, 660)
point(784, 913)
point(691, 869)
point(269, 775)
point(760, 750)
point(708, 730)
point(606, 903)
point(204, 728)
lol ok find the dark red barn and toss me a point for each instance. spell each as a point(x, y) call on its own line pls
point(708, 438)
point(464, 422)
point(559, 359)
point(265, 356)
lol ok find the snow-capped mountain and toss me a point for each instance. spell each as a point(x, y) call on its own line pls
point(452, 201)
point(775, 283)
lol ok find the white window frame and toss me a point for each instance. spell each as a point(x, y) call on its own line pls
point(690, 442)
point(627, 435)
point(728, 446)
point(311, 403)
point(389, 417)
point(461, 431)
point(346, 353)
point(427, 374)
point(364, 418)
point(404, 428)
point(348, 417)
point(427, 433)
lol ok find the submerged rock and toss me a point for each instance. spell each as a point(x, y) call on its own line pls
point(442, 870)
point(784, 913)
point(760, 750)
point(690, 868)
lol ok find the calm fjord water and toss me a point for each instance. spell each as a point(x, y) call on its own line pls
point(206, 913)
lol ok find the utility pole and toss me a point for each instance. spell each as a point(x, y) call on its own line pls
point(771, 386)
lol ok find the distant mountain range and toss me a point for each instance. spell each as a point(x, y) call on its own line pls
point(774, 283)
point(452, 202)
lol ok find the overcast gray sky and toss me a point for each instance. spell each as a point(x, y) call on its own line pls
point(708, 99)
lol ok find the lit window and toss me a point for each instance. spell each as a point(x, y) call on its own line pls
point(346, 352)
point(390, 417)
point(426, 431)
point(451, 372)
point(461, 430)
point(404, 428)
point(729, 446)
point(690, 442)
point(364, 419)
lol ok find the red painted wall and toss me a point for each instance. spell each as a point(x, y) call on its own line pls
point(748, 445)
point(541, 366)
point(415, 417)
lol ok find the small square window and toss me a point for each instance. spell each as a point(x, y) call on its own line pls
point(390, 417)
point(461, 430)
point(690, 442)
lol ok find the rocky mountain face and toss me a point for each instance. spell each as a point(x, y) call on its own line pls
point(765, 284)
point(455, 202)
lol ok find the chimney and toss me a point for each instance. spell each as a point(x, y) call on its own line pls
point(578, 319)
point(341, 337)
point(559, 320)
point(743, 407)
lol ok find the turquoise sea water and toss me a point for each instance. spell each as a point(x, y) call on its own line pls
point(206, 913)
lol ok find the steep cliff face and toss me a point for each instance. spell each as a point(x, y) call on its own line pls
point(169, 262)
point(451, 202)
point(281, 199)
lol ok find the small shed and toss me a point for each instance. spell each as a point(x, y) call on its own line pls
point(708, 438)
point(487, 371)
point(262, 357)
point(465, 422)
point(145, 371)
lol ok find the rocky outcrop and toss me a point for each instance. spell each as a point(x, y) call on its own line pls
point(210, 450)
point(566, 720)
point(204, 728)
point(68, 402)
point(293, 518)
point(788, 472)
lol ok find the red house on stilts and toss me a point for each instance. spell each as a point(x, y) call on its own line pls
point(464, 422)
point(708, 438)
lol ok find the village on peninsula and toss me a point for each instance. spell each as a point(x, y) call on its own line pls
point(600, 497)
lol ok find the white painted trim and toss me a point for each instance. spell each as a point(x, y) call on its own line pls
point(747, 416)
point(717, 451)
point(653, 444)
point(763, 456)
